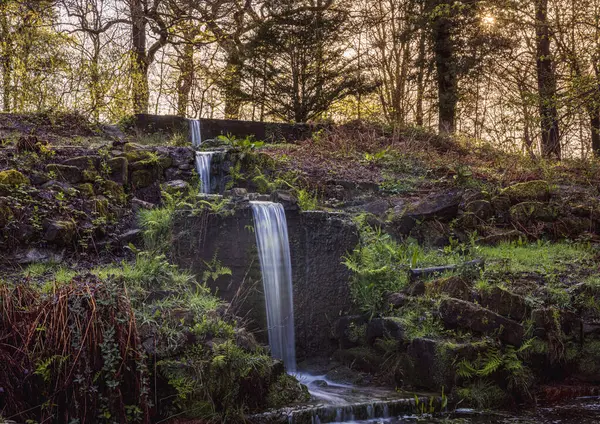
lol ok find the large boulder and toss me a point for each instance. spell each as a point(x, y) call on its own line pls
point(505, 303)
point(384, 328)
point(442, 206)
point(67, 173)
point(59, 232)
point(458, 313)
point(530, 191)
point(551, 322)
point(118, 168)
point(482, 209)
point(84, 162)
point(531, 212)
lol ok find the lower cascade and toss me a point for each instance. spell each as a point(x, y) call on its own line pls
point(195, 133)
point(276, 266)
point(203, 164)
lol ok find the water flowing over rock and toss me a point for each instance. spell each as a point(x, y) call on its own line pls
point(276, 266)
point(203, 164)
point(195, 132)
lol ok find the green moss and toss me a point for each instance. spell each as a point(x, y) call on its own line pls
point(134, 156)
point(86, 189)
point(13, 178)
point(286, 391)
point(528, 191)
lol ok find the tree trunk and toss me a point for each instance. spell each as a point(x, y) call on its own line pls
point(95, 83)
point(446, 73)
point(139, 71)
point(186, 79)
point(421, 79)
point(6, 45)
point(595, 128)
point(546, 84)
point(233, 84)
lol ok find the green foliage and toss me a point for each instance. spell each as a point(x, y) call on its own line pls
point(418, 320)
point(507, 362)
point(482, 394)
point(307, 200)
point(245, 146)
point(208, 381)
point(149, 272)
point(380, 265)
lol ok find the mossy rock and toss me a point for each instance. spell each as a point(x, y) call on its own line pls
point(112, 190)
point(286, 390)
point(101, 205)
point(60, 232)
point(480, 208)
point(454, 286)
point(68, 173)
point(588, 363)
point(90, 175)
point(118, 169)
point(84, 162)
point(13, 178)
point(138, 156)
point(143, 178)
point(132, 147)
point(86, 189)
point(532, 211)
point(538, 190)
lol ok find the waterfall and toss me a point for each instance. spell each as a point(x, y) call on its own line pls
point(203, 163)
point(276, 266)
point(195, 133)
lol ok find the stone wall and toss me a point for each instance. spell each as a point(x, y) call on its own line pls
point(318, 242)
point(211, 128)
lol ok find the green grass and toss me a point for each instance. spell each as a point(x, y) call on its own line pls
point(538, 257)
point(39, 269)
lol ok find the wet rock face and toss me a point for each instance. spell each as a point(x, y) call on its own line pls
point(318, 241)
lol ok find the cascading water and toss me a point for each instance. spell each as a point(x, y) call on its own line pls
point(203, 164)
point(276, 266)
point(195, 133)
point(340, 403)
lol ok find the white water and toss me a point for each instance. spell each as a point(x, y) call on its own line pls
point(203, 164)
point(195, 132)
point(276, 266)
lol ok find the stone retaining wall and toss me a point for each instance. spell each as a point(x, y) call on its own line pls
point(318, 241)
point(211, 128)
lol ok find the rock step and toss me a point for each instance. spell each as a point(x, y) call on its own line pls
point(362, 412)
